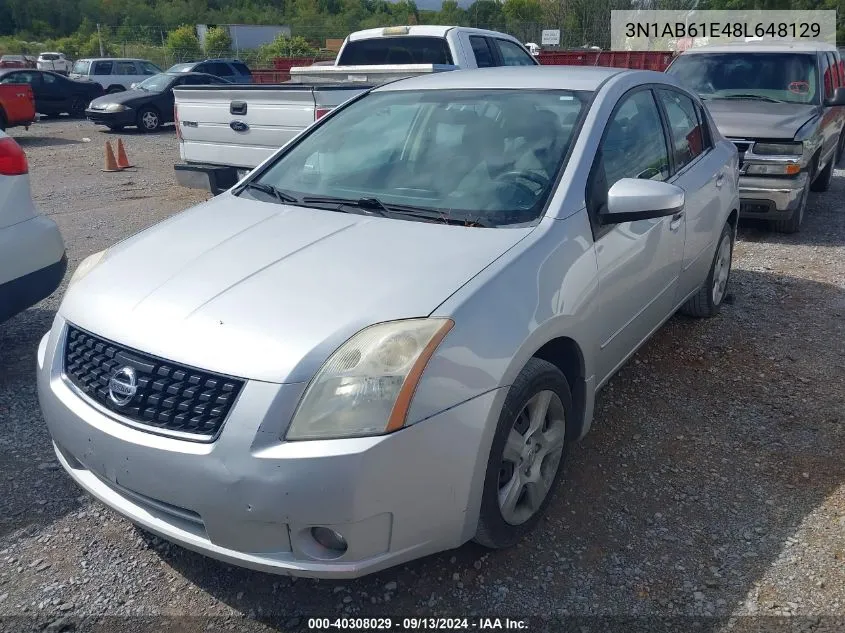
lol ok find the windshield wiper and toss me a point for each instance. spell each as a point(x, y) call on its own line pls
point(382, 209)
point(270, 190)
point(753, 97)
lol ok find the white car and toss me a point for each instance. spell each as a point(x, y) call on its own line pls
point(32, 253)
point(57, 62)
point(113, 74)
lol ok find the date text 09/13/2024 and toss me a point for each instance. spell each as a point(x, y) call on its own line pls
point(723, 29)
point(416, 624)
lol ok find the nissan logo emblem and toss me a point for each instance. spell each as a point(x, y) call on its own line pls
point(123, 385)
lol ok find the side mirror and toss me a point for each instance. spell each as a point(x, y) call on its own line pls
point(632, 199)
point(838, 98)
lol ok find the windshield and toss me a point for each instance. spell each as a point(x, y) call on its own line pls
point(156, 83)
point(181, 68)
point(81, 68)
point(396, 50)
point(786, 77)
point(489, 156)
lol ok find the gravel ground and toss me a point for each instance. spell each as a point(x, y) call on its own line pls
point(710, 487)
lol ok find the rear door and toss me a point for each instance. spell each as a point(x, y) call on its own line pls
point(834, 117)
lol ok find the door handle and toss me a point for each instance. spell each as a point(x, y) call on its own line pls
point(720, 179)
point(676, 221)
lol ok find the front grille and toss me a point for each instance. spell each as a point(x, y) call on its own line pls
point(742, 147)
point(170, 399)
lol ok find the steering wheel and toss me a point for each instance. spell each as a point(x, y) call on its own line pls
point(531, 176)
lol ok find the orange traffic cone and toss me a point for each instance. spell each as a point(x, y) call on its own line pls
point(110, 162)
point(122, 160)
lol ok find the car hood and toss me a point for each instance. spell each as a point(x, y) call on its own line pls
point(758, 119)
point(265, 291)
point(127, 97)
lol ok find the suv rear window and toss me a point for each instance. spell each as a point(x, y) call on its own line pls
point(396, 50)
point(49, 56)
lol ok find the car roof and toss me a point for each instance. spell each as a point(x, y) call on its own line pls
point(112, 59)
point(50, 53)
point(763, 46)
point(516, 77)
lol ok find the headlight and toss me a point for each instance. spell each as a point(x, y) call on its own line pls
point(778, 149)
point(86, 266)
point(115, 107)
point(366, 385)
point(774, 169)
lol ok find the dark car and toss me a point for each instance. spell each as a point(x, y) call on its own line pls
point(12, 61)
point(149, 105)
point(54, 93)
point(232, 70)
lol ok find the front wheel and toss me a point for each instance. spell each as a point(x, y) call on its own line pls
point(708, 300)
point(149, 120)
point(823, 180)
point(527, 454)
point(793, 223)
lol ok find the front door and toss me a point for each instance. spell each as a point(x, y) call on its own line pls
point(638, 262)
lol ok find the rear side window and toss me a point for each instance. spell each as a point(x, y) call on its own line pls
point(101, 68)
point(396, 50)
point(125, 68)
point(513, 55)
point(482, 52)
point(81, 68)
point(221, 69)
point(687, 134)
point(242, 68)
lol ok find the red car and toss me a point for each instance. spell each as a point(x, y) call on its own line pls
point(17, 105)
point(13, 61)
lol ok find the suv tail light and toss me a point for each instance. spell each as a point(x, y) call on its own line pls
point(319, 113)
point(12, 159)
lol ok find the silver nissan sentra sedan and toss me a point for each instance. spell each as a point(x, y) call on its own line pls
point(382, 341)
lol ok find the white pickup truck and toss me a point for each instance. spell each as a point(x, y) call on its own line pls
point(224, 132)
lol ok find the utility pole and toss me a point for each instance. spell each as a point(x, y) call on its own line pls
point(100, 39)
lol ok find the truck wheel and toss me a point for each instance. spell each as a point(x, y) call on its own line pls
point(793, 224)
point(527, 455)
point(708, 301)
point(822, 181)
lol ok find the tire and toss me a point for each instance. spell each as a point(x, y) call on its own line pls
point(793, 223)
point(708, 300)
point(149, 120)
point(502, 523)
point(822, 181)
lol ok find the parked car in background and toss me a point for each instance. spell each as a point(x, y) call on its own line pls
point(781, 103)
point(149, 105)
point(32, 253)
point(31, 62)
point(233, 70)
point(380, 344)
point(17, 105)
point(54, 93)
point(262, 118)
point(57, 62)
point(13, 61)
point(114, 75)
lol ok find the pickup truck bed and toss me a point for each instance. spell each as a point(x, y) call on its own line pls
point(17, 105)
point(225, 131)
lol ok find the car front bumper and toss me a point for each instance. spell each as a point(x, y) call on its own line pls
point(251, 499)
point(770, 198)
point(101, 117)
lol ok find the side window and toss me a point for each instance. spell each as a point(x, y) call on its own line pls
point(687, 136)
point(633, 146)
point(827, 76)
point(513, 55)
point(482, 52)
point(836, 80)
point(220, 69)
point(48, 78)
point(22, 78)
point(125, 68)
point(11, 78)
point(101, 68)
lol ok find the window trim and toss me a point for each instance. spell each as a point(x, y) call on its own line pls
point(494, 58)
point(834, 69)
point(667, 129)
point(598, 229)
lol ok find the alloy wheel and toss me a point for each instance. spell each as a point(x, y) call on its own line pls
point(722, 270)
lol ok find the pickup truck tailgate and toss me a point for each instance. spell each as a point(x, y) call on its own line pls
point(240, 126)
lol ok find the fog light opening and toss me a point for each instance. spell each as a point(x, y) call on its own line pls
point(330, 540)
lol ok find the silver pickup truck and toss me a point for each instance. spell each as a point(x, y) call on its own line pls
point(225, 132)
point(781, 103)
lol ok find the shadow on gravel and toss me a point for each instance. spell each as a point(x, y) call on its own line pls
point(708, 451)
point(44, 141)
point(133, 131)
point(34, 492)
